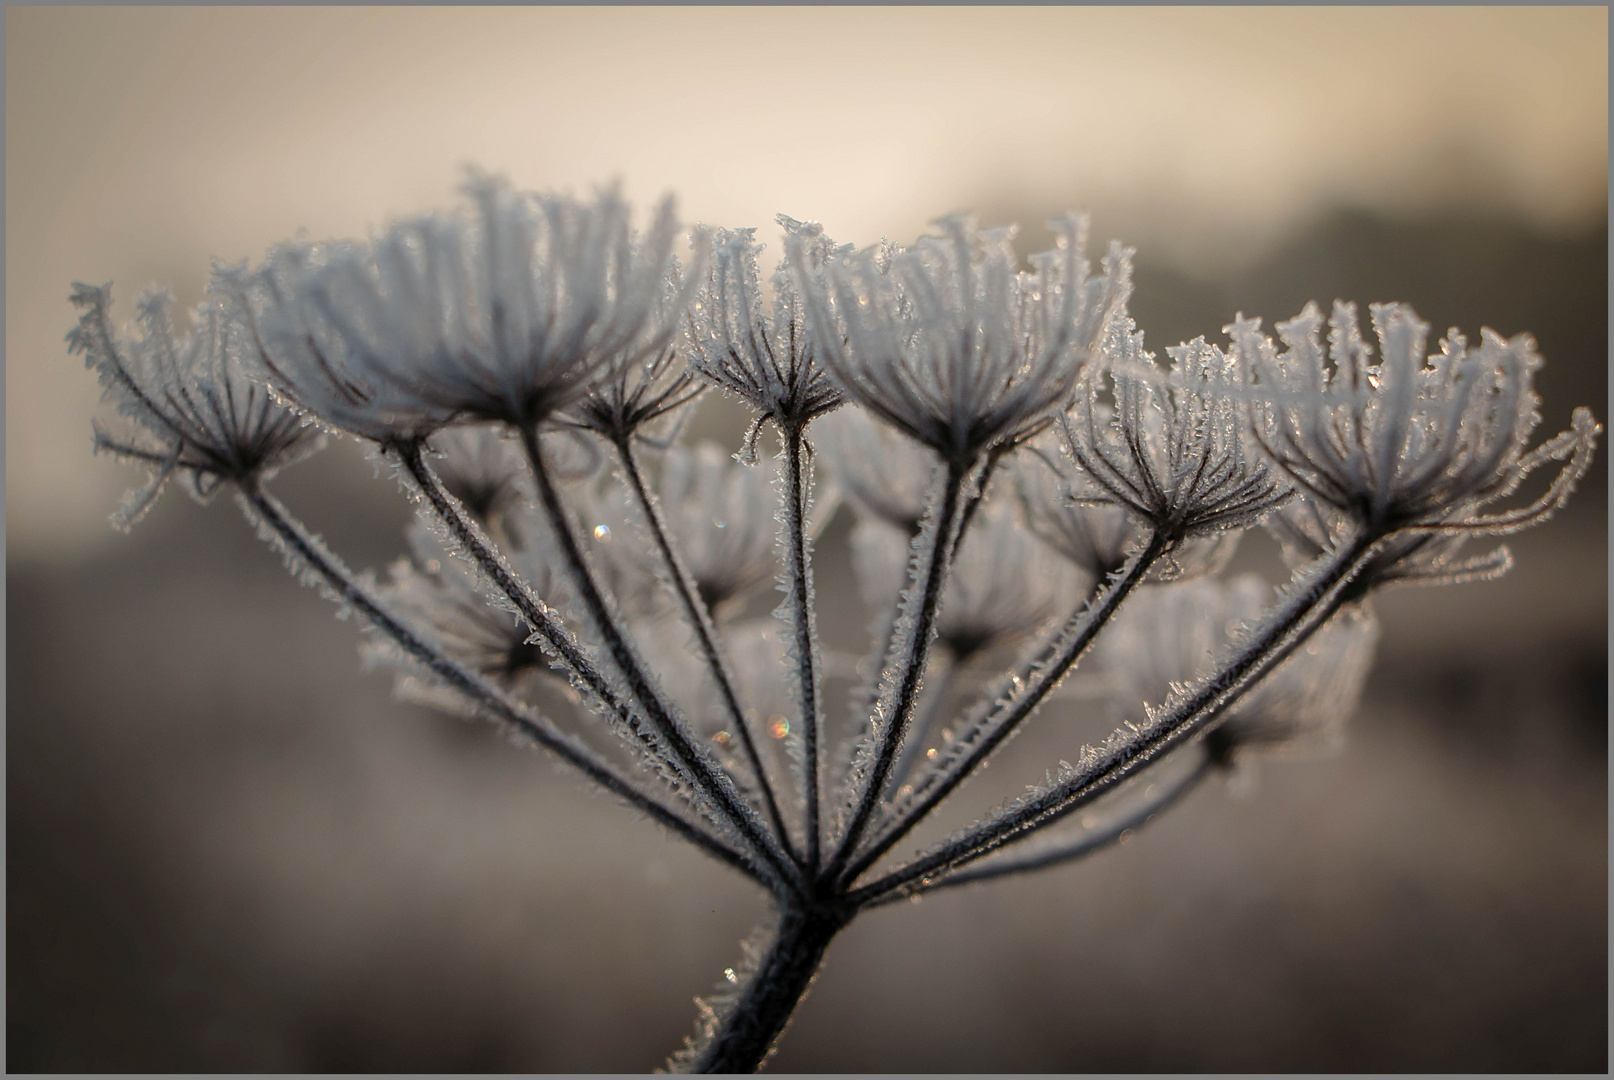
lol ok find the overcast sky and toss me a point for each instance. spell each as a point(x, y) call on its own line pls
point(141, 142)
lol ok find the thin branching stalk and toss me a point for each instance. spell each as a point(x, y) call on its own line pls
point(470, 539)
point(907, 670)
point(1087, 842)
point(799, 576)
point(705, 633)
point(708, 776)
point(308, 552)
point(994, 457)
point(1296, 619)
point(977, 742)
point(945, 677)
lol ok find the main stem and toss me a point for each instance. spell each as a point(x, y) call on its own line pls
point(753, 1025)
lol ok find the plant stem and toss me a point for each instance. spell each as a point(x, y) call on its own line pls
point(537, 614)
point(941, 693)
point(1083, 844)
point(705, 632)
point(994, 456)
point(752, 1027)
point(306, 551)
point(707, 775)
point(1126, 756)
point(799, 572)
point(907, 670)
point(978, 742)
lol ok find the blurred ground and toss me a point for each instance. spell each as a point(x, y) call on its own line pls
point(228, 850)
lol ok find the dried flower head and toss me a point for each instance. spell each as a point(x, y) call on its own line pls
point(880, 471)
point(1173, 451)
point(509, 312)
point(1414, 441)
point(446, 598)
point(767, 359)
point(720, 513)
point(194, 407)
point(1306, 529)
point(1004, 586)
point(948, 344)
point(1068, 513)
point(484, 469)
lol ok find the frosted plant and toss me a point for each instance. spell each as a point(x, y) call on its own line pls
point(525, 364)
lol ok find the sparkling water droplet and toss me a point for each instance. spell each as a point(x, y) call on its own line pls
point(602, 532)
point(728, 973)
point(778, 726)
point(722, 738)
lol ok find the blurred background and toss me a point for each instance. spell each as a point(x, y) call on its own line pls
point(229, 849)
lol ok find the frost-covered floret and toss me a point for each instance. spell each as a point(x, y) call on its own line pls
point(769, 359)
point(720, 513)
point(451, 604)
point(1172, 452)
point(193, 407)
point(635, 395)
point(308, 360)
point(1172, 635)
point(484, 469)
point(1066, 512)
point(881, 472)
point(1413, 441)
point(511, 311)
point(1004, 584)
point(948, 344)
